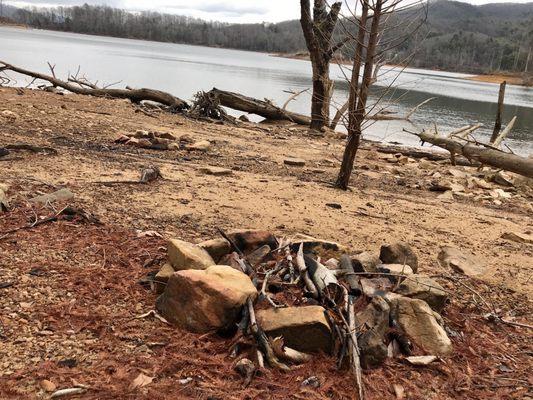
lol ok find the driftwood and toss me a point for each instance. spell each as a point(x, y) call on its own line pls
point(262, 340)
point(302, 267)
point(264, 108)
point(485, 156)
point(85, 88)
point(355, 361)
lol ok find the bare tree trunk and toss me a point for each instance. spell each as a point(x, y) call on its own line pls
point(357, 107)
point(318, 34)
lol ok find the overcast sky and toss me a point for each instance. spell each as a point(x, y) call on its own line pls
point(219, 10)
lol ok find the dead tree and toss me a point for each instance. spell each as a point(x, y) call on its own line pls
point(318, 33)
point(86, 88)
point(375, 13)
point(359, 96)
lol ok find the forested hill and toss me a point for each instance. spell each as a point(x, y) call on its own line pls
point(457, 36)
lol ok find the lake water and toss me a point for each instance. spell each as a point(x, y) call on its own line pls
point(183, 70)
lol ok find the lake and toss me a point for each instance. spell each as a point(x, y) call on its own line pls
point(183, 70)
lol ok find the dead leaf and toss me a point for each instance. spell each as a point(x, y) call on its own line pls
point(142, 380)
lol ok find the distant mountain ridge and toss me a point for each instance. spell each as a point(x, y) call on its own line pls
point(456, 36)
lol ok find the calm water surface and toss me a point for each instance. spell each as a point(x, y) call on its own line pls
point(183, 70)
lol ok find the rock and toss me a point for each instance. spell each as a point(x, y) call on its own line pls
point(205, 300)
point(312, 381)
point(10, 115)
point(246, 368)
point(397, 269)
point(375, 319)
point(4, 203)
point(337, 206)
point(460, 261)
point(515, 237)
point(324, 248)
point(47, 386)
point(399, 253)
point(295, 162)
point(250, 240)
point(421, 360)
point(60, 195)
point(3, 152)
point(162, 277)
point(173, 146)
point(216, 171)
point(447, 195)
point(185, 255)
point(302, 328)
point(424, 288)
point(375, 286)
point(202, 145)
point(417, 320)
point(258, 255)
point(217, 248)
point(365, 262)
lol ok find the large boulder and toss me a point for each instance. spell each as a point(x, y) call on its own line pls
point(302, 328)
point(185, 255)
point(460, 261)
point(399, 253)
point(418, 321)
point(424, 288)
point(374, 322)
point(205, 300)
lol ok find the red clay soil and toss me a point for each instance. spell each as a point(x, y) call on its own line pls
point(70, 317)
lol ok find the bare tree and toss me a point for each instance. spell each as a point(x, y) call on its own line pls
point(374, 14)
point(318, 34)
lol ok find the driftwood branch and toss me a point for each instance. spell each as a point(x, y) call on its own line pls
point(485, 156)
point(134, 95)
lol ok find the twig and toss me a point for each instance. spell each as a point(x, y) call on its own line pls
point(262, 340)
point(34, 224)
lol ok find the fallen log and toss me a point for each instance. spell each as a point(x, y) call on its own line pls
point(262, 108)
point(485, 156)
point(134, 95)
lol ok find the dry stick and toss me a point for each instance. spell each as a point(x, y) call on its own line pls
point(504, 133)
point(300, 263)
point(34, 224)
point(267, 295)
point(354, 350)
point(293, 97)
point(262, 340)
point(490, 307)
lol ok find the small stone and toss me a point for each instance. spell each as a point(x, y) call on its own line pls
point(421, 360)
point(337, 206)
point(447, 195)
point(303, 328)
point(399, 253)
point(173, 146)
point(258, 255)
point(250, 240)
point(217, 248)
point(518, 237)
point(460, 261)
point(202, 145)
point(295, 162)
point(60, 195)
point(397, 269)
point(47, 386)
point(365, 262)
point(185, 255)
point(10, 115)
point(312, 381)
point(216, 171)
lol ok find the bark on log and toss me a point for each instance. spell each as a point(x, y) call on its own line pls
point(135, 95)
point(486, 156)
point(260, 107)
